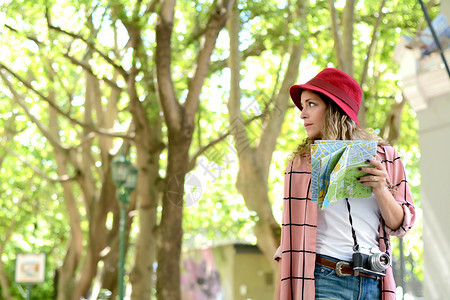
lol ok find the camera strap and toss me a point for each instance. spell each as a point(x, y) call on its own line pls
point(355, 241)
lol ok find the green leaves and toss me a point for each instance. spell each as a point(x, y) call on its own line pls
point(53, 45)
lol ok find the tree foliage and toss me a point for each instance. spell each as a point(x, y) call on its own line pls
point(80, 79)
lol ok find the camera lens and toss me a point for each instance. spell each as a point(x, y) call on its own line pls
point(379, 261)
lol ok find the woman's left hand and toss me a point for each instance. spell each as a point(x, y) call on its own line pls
point(376, 176)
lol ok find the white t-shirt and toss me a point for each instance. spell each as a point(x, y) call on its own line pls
point(334, 233)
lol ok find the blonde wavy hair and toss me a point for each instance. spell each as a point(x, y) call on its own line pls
point(337, 126)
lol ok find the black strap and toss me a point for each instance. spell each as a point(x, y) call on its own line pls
point(355, 241)
point(385, 239)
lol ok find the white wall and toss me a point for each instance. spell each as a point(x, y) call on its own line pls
point(434, 140)
point(426, 85)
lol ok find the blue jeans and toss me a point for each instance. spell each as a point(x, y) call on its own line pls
point(331, 287)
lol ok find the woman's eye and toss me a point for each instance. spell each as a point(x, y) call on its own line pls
point(308, 104)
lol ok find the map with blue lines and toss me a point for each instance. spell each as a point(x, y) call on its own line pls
point(334, 169)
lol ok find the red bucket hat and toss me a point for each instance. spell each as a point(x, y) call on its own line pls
point(337, 85)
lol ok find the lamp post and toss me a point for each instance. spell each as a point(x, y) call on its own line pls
point(125, 177)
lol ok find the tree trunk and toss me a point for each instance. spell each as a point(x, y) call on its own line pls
point(347, 37)
point(254, 163)
point(4, 280)
point(343, 43)
point(141, 276)
point(170, 228)
point(97, 206)
point(110, 257)
point(335, 29)
point(180, 124)
point(391, 128)
point(4, 283)
point(148, 146)
point(66, 278)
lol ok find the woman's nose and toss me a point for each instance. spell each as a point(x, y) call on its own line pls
point(303, 114)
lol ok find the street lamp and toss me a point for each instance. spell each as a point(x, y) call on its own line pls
point(125, 177)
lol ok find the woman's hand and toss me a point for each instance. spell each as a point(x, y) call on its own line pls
point(376, 177)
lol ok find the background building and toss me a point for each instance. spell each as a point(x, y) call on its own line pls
point(229, 272)
point(426, 85)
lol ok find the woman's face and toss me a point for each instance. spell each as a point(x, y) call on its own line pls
point(313, 113)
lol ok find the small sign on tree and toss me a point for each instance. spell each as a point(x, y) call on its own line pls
point(30, 268)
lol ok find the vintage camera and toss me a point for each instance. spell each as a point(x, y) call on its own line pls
point(370, 261)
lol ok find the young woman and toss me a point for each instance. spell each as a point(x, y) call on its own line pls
point(317, 246)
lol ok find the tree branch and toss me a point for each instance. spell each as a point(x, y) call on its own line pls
point(234, 102)
point(254, 49)
point(93, 47)
point(372, 43)
point(31, 38)
point(88, 69)
point(363, 107)
point(219, 139)
point(28, 85)
point(151, 7)
point(216, 23)
point(20, 101)
point(336, 36)
point(172, 109)
point(21, 158)
point(273, 124)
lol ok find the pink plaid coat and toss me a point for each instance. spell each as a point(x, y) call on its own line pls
point(299, 223)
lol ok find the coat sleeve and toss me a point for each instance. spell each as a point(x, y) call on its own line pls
point(279, 251)
point(399, 187)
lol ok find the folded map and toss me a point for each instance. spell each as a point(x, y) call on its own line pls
point(334, 169)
